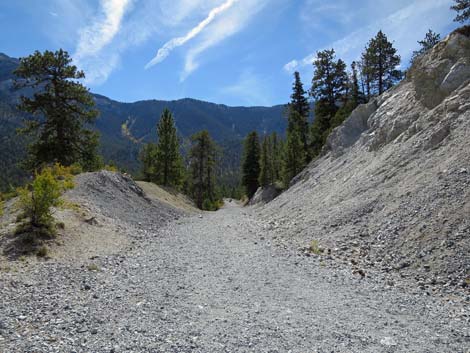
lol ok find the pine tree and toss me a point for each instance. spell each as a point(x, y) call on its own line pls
point(357, 96)
point(330, 80)
point(366, 78)
point(294, 157)
point(266, 163)
point(429, 41)
point(299, 100)
point(148, 156)
point(353, 98)
point(276, 152)
point(202, 156)
point(330, 86)
point(62, 107)
point(463, 10)
point(299, 104)
point(251, 164)
point(168, 163)
point(380, 64)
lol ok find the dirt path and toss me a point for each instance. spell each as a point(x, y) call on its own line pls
point(217, 284)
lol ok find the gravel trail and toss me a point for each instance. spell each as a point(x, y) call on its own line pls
point(218, 283)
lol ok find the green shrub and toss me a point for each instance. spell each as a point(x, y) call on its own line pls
point(76, 169)
point(42, 251)
point(63, 175)
point(208, 205)
point(110, 168)
point(37, 200)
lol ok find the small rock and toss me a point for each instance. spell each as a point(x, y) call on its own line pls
point(388, 341)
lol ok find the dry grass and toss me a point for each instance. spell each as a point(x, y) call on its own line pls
point(168, 196)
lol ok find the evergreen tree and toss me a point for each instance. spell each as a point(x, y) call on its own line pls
point(330, 80)
point(251, 164)
point(357, 96)
point(431, 39)
point(366, 78)
point(63, 108)
point(380, 64)
point(352, 99)
point(202, 156)
point(330, 90)
point(168, 163)
point(299, 104)
point(463, 10)
point(148, 156)
point(299, 100)
point(275, 157)
point(294, 157)
point(266, 176)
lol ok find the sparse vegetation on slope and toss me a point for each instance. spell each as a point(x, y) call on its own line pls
point(390, 191)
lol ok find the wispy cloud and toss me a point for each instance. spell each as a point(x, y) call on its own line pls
point(95, 37)
point(165, 50)
point(249, 88)
point(233, 22)
point(404, 26)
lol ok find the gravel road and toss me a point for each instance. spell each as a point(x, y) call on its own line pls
point(217, 283)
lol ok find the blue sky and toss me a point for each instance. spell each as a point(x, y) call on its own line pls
point(236, 52)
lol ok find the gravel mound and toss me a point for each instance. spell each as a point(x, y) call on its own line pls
point(392, 189)
point(118, 197)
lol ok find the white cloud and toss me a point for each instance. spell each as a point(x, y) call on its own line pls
point(121, 24)
point(404, 26)
point(231, 23)
point(95, 37)
point(165, 50)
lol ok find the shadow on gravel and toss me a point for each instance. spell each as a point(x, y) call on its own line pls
point(25, 242)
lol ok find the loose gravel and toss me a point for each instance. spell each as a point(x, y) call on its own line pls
point(218, 282)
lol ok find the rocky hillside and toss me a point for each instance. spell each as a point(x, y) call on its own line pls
point(391, 191)
point(103, 214)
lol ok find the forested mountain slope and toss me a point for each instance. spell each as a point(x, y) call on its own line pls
point(125, 126)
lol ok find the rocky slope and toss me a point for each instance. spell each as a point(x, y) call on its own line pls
point(391, 191)
point(98, 216)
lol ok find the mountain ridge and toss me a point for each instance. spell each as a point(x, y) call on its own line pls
point(125, 126)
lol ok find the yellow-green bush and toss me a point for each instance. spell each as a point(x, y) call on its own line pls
point(76, 169)
point(64, 175)
point(37, 199)
point(110, 168)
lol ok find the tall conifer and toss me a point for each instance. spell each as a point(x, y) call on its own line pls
point(381, 63)
point(62, 109)
point(251, 164)
point(168, 163)
point(202, 158)
point(329, 89)
point(299, 104)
